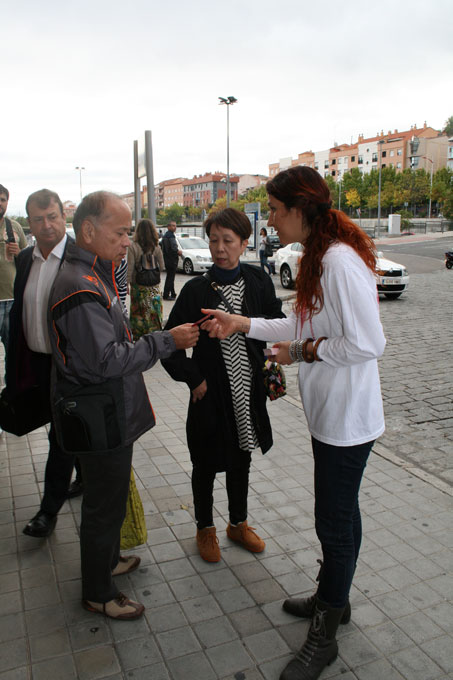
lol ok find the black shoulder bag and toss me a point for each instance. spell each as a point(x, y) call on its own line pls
point(145, 275)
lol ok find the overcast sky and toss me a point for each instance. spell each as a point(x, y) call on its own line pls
point(81, 80)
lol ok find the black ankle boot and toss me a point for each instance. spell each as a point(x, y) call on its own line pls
point(320, 648)
point(304, 607)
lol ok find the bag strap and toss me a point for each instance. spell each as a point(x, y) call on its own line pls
point(9, 230)
point(215, 286)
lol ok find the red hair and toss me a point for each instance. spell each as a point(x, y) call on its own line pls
point(304, 188)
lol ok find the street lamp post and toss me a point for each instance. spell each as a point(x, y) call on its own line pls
point(228, 101)
point(80, 168)
point(380, 143)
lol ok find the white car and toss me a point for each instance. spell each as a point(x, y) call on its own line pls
point(196, 256)
point(392, 278)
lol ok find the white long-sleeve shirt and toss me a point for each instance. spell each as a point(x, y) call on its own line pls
point(341, 394)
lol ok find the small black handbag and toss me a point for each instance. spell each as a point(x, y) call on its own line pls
point(145, 275)
point(89, 418)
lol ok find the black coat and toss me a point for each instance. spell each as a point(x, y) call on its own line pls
point(169, 248)
point(23, 367)
point(211, 427)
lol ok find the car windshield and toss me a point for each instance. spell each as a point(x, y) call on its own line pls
point(193, 243)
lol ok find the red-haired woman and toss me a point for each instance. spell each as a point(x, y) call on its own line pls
point(339, 338)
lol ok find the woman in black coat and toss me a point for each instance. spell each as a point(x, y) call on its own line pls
point(227, 416)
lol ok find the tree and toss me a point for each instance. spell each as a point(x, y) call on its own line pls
point(353, 198)
point(171, 214)
point(448, 129)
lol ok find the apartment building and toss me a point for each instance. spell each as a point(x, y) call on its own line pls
point(204, 190)
point(169, 192)
point(413, 148)
point(247, 182)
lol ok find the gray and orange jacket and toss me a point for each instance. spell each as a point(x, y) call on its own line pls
point(91, 339)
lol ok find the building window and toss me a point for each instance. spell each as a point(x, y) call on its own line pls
point(316, 166)
point(374, 157)
point(326, 164)
point(352, 159)
point(392, 152)
point(333, 173)
point(399, 152)
point(384, 154)
point(340, 161)
point(398, 165)
point(334, 160)
point(360, 161)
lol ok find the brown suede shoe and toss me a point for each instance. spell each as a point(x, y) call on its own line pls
point(246, 536)
point(121, 608)
point(126, 565)
point(208, 544)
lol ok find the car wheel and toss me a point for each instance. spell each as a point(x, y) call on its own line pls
point(285, 276)
point(187, 266)
point(449, 264)
point(392, 296)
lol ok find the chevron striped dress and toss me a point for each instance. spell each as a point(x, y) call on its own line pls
point(239, 370)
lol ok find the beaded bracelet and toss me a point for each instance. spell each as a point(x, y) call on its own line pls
point(292, 350)
point(315, 348)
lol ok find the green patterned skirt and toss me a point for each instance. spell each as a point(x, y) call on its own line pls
point(146, 310)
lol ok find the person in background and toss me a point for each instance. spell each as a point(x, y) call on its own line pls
point(336, 337)
point(29, 352)
point(171, 254)
point(264, 250)
point(227, 417)
point(12, 241)
point(146, 301)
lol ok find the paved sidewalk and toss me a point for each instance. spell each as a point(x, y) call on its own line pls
point(207, 621)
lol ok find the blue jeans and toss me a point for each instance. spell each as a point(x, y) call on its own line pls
point(264, 262)
point(338, 474)
point(5, 307)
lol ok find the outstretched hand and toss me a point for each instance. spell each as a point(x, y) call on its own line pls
point(185, 336)
point(223, 324)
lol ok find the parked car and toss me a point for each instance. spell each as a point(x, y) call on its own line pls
point(196, 256)
point(274, 241)
point(392, 278)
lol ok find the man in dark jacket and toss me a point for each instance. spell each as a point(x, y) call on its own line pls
point(29, 355)
point(99, 384)
point(171, 253)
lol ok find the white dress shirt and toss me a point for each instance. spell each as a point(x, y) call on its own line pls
point(36, 297)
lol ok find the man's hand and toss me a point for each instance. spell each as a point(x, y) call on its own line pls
point(12, 249)
point(223, 325)
point(199, 392)
point(185, 336)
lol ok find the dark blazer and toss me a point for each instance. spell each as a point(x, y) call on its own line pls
point(211, 426)
point(169, 247)
point(24, 368)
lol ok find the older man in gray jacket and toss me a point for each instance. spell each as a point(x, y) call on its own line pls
point(100, 401)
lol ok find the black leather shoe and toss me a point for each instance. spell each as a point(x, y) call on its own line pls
point(166, 297)
point(41, 525)
point(75, 489)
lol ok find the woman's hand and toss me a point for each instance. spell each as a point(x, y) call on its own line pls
point(223, 325)
point(282, 356)
point(199, 392)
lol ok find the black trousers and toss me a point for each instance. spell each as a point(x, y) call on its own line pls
point(57, 476)
point(105, 490)
point(169, 285)
point(237, 486)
